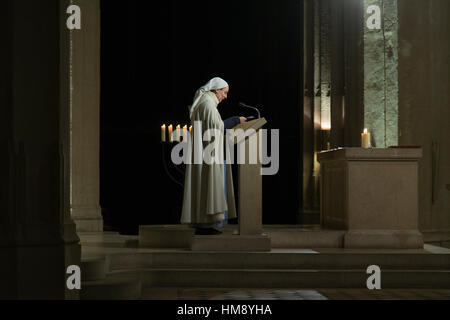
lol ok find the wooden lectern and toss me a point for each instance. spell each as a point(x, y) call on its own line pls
point(249, 237)
point(250, 179)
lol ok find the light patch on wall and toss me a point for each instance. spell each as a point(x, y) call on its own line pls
point(381, 72)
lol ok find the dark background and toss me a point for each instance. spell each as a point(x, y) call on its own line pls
point(155, 56)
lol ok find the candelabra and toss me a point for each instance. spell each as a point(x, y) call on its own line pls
point(174, 137)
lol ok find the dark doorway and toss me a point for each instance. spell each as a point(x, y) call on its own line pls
point(154, 57)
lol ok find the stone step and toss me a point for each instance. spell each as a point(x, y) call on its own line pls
point(300, 238)
point(107, 240)
point(235, 278)
point(125, 286)
point(93, 268)
point(181, 236)
point(165, 236)
point(300, 259)
point(230, 242)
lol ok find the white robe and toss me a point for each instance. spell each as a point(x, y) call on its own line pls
point(204, 191)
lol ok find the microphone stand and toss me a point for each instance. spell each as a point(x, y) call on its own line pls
point(247, 106)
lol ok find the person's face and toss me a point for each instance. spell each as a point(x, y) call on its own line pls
point(222, 94)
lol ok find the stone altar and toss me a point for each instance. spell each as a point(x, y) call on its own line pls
point(373, 195)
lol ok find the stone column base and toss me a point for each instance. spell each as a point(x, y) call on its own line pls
point(88, 219)
point(383, 239)
point(37, 271)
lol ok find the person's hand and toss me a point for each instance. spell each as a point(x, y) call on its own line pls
point(243, 119)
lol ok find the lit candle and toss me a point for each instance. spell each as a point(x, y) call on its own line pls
point(163, 133)
point(190, 129)
point(170, 133)
point(365, 139)
point(178, 133)
point(185, 133)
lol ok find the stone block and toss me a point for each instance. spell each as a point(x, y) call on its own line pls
point(165, 236)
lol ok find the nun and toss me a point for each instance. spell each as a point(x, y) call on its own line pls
point(208, 200)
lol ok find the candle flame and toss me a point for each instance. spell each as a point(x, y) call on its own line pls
point(365, 130)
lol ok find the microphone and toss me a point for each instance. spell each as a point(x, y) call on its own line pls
point(247, 106)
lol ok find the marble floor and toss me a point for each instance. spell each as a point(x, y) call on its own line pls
point(293, 294)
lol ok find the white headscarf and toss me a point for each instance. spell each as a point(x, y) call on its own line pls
point(213, 84)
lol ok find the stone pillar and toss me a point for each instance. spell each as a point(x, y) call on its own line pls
point(381, 73)
point(37, 237)
point(424, 100)
point(325, 64)
point(317, 112)
point(86, 209)
point(308, 112)
point(312, 106)
point(354, 72)
point(337, 68)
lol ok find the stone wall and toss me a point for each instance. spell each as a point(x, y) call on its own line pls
point(424, 106)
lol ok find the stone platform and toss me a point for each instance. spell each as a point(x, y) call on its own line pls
point(181, 236)
point(277, 236)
